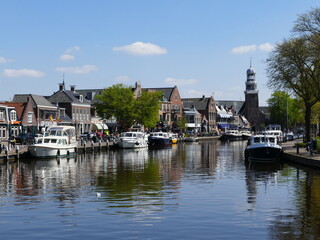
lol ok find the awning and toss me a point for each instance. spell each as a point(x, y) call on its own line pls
point(99, 126)
point(223, 125)
point(224, 115)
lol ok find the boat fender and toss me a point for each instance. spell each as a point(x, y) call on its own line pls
point(58, 152)
point(137, 143)
point(68, 153)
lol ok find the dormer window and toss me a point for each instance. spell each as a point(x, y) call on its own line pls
point(13, 115)
point(81, 98)
point(1, 115)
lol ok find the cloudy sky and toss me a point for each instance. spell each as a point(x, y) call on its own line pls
point(202, 46)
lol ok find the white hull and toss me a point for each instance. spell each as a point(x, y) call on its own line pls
point(132, 144)
point(46, 151)
point(132, 140)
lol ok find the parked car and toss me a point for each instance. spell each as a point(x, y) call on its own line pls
point(86, 136)
point(25, 138)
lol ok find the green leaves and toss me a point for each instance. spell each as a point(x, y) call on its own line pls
point(119, 101)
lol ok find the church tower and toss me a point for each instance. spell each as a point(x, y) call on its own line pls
point(251, 111)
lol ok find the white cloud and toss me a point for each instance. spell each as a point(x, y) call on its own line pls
point(175, 81)
point(122, 79)
point(265, 47)
point(244, 49)
point(66, 57)
point(22, 73)
point(73, 49)
point(85, 69)
point(141, 48)
point(4, 60)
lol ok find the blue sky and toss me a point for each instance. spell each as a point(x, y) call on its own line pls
point(202, 46)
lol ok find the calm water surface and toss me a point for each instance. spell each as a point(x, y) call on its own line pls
point(189, 191)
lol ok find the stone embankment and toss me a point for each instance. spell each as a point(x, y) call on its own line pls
point(300, 155)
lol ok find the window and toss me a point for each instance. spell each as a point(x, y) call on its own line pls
point(1, 115)
point(81, 98)
point(62, 112)
point(13, 115)
point(29, 117)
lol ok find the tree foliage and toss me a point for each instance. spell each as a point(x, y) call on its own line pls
point(147, 106)
point(119, 101)
point(284, 110)
point(294, 65)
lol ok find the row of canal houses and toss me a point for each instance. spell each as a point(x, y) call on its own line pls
point(33, 113)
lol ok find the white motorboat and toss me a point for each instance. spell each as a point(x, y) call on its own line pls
point(133, 140)
point(232, 135)
point(57, 141)
point(263, 148)
point(156, 139)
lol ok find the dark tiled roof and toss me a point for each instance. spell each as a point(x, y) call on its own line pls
point(38, 100)
point(235, 105)
point(90, 94)
point(167, 92)
point(67, 96)
point(199, 103)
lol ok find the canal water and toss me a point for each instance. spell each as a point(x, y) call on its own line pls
point(190, 191)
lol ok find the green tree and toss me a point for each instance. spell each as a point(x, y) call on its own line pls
point(118, 101)
point(147, 107)
point(284, 110)
point(295, 63)
point(291, 66)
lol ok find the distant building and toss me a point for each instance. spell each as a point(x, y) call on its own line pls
point(75, 105)
point(170, 106)
point(206, 107)
point(9, 122)
point(35, 112)
point(250, 108)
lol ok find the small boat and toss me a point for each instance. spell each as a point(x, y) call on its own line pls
point(190, 138)
point(174, 138)
point(263, 148)
point(246, 134)
point(231, 135)
point(57, 141)
point(159, 139)
point(132, 140)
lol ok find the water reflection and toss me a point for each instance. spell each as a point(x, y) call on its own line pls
point(194, 187)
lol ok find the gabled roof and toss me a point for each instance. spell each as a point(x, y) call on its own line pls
point(38, 100)
point(19, 107)
point(66, 96)
point(201, 104)
point(235, 105)
point(90, 94)
point(167, 92)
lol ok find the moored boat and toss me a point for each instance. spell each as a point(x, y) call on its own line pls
point(231, 135)
point(57, 141)
point(190, 138)
point(263, 148)
point(132, 140)
point(159, 139)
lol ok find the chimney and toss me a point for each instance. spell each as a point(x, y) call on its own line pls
point(61, 86)
point(73, 88)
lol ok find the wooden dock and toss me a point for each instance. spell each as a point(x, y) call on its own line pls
point(21, 151)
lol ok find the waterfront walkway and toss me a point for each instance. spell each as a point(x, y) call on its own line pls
point(301, 155)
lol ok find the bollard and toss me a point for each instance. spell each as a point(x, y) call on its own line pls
point(17, 152)
point(297, 148)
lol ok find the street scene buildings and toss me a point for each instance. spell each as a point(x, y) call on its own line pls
point(30, 113)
